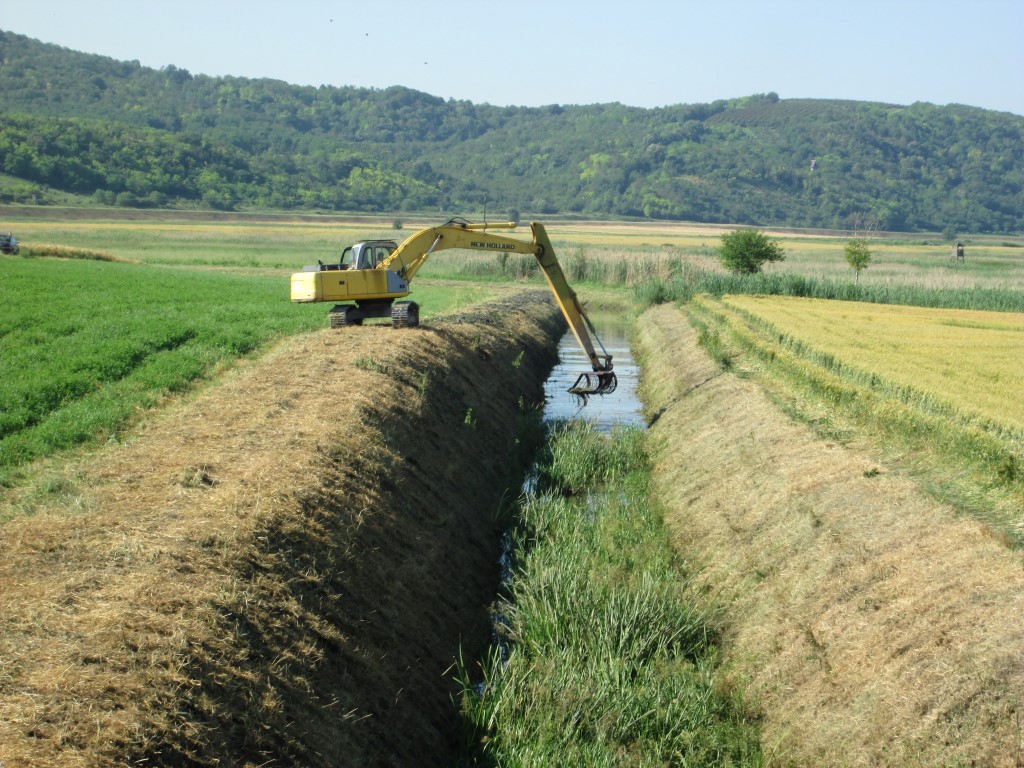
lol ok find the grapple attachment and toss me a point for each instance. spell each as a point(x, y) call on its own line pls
point(594, 383)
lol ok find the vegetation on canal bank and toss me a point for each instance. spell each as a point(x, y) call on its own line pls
point(607, 658)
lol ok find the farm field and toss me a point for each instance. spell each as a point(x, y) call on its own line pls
point(89, 346)
point(835, 366)
point(875, 625)
point(282, 243)
point(86, 346)
point(974, 361)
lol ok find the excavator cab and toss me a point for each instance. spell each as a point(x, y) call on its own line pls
point(367, 255)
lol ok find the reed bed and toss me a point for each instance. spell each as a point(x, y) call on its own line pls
point(608, 659)
point(605, 266)
point(692, 282)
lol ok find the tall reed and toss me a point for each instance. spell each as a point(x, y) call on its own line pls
point(696, 281)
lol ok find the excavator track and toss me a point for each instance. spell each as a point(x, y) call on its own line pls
point(344, 316)
point(405, 314)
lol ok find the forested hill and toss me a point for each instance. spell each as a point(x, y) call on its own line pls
point(123, 134)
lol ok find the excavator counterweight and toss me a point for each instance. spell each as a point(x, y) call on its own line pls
point(370, 276)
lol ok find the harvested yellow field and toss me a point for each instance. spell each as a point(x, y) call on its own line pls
point(972, 360)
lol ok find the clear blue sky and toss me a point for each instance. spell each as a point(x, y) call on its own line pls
point(532, 52)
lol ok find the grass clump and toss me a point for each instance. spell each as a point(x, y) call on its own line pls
point(608, 660)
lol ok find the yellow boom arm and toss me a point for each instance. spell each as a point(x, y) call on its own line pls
point(374, 290)
point(413, 253)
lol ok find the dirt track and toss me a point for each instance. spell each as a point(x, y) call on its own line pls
point(872, 626)
point(280, 571)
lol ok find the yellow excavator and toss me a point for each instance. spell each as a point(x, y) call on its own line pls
point(372, 274)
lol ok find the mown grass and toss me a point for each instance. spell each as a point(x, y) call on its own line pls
point(608, 660)
point(974, 464)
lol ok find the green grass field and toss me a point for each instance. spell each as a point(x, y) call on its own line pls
point(84, 345)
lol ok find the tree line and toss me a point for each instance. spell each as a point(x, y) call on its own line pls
point(118, 133)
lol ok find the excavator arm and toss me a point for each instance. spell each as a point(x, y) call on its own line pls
point(414, 252)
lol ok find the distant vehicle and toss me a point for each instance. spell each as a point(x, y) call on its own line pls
point(9, 244)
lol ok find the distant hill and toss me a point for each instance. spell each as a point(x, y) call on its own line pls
point(119, 133)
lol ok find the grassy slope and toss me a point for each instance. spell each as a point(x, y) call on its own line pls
point(972, 463)
point(280, 570)
point(872, 625)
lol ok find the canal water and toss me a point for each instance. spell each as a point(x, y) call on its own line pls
point(621, 407)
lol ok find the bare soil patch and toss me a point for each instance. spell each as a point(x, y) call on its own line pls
point(280, 571)
point(870, 625)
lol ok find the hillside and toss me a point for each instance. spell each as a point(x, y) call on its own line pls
point(118, 133)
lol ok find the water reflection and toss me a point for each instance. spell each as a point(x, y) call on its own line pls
point(622, 407)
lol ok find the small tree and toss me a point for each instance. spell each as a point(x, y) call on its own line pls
point(745, 251)
point(857, 255)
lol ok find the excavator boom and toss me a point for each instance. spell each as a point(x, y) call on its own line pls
point(376, 273)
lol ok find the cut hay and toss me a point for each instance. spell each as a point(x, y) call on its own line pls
point(871, 625)
point(50, 251)
point(280, 571)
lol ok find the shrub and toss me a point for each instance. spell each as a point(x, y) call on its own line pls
point(744, 251)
